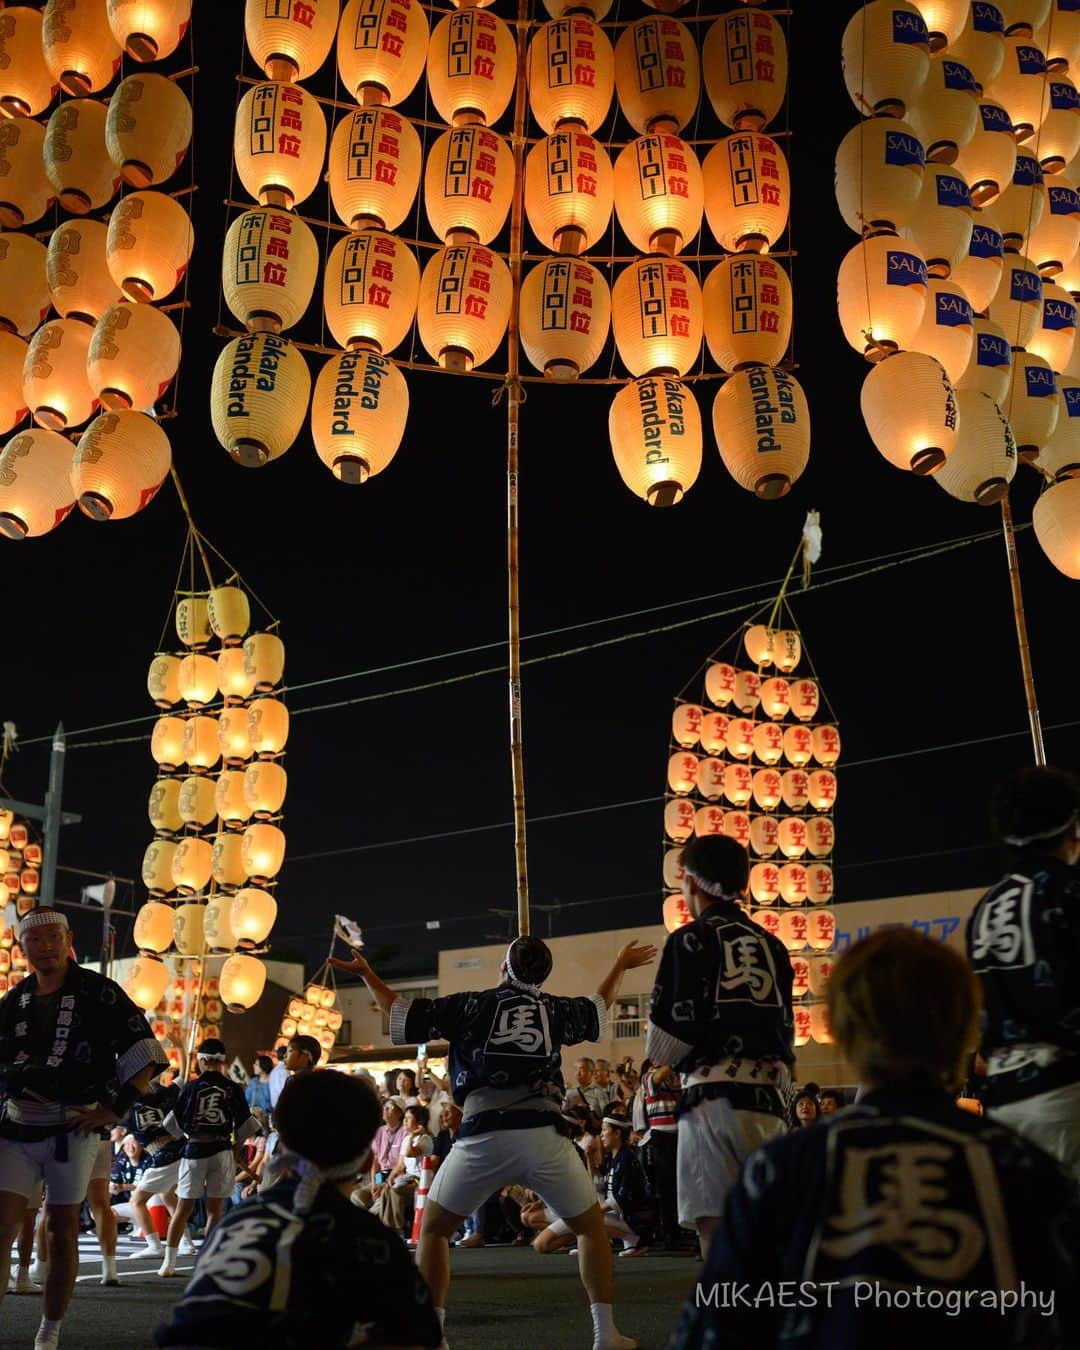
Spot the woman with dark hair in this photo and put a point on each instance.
(805, 1109)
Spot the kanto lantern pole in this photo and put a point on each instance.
(513, 412)
(1034, 720)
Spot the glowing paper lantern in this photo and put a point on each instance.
(265, 783)
(768, 737)
(167, 743)
(358, 414)
(1018, 86)
(798, 745)
(826, 740)
(747, 690)
(880, 165)
(764, 834)
(55, 387)
(748, 309)
(657, 315)
(822, 789)
(821, 930)
(197, 681)
(26, 192)
(571, 73)
(820, 970)
(464, 305)
(682, 773)
(134, 354)
(35, 488)
(720, 683)
(263, 851)
(228, 612)
(679, 819)
(259, 397)
(686, 724)
(264, 660)
(738, 784)
(747, 192)
(469, 183)
(191, 865)
(804, 699)
(1057, 525)
(988, 161)
(27, 86)
(673, 869)
(820, 836)
(252, 916)
(657, 75)
(24, 290)
(768, 789)
(148, 128)
(370, 289)
(163, 680)
(568, 190)
(745, 64)
(941, 223)
(775, 697)
(659, 194)
(794, 927)
(1017, 306)
(1055, 336)
(565, 317)
(268, 269)
(1056, 239)
(279, 143)
(1060, 455)
(227, 863)
(983, 462)
(201, 749)
(234, 741)
(1059, 37)
(793, 877)
(991, 361)
(947, 331)
(758, 641)
(714, 729)
(762, 426)
(153, 930)
(820, 886)
(792, 838)
(981, 45)
(675, 913)
(945, 20)
(765, 888)
(149, 30)
(78, 276)
(886, 56)
(881, 294)
(233, 681)
(148, 245)
(1031, 404)
(740, 738)
(655, 430)
(146, 981)
(291, 42)
(76, 161)
(243, 979)
(229, 800)
(268, 726)
(381, 50)
(909, 407)
(787, 650)
(121, 461)
(979, 273)
(796, 789)
(1019, 208)
(164, 805)
(193, 621)
(374, 167)
(946, 112)
(471, 66)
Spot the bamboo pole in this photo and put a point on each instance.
(513, 409)
(1034, 721)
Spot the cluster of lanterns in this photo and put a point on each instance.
(312, 1015)
(107, 354)
(461, 299)
(216, 806)
(754, 760)
(20, 871)
(962, 292)
(192, 998)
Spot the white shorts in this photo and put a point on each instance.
(24, 1166)
(103, 1162)
(715, 1140)
(216, 1175)
(159, 1180)
(540, 1158)
(1049, 1119)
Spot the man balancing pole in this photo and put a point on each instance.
(505, 1073)
(75, 1053)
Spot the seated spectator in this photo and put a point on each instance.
(805, 1109)
(406, 1086)
(298, 1266)
(449, 1123)
(830, 1101)
(584, 1091)
(385, 1152)
(899, 1197)
(126, 1169)
(394, 1203)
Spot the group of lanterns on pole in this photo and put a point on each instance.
(20, 875)
(754, 758)
(461, 299)
(108, 353)
(216, 805)
(962, 292)
(314, 1014)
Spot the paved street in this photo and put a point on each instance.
(499, 1298)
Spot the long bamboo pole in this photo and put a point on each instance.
(513, 412)
(1034, 721)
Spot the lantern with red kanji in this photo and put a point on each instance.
(795, 789)
(679, 819)
(768, 919)
(571, 73)
(471, 64)
(381, 50)
(676, 913)
(709, 778)
(673, 868)
(569, 190)
(819, 884)
(565, 317)
(745, 65)
(659, 194)
(800, 972)
(686, 724)
(657, 314)
(279, 143)
(798, 745)
(820, 836)
(794, 927)
(709, 820)
(748, 308)
(737, 827)
(764, 835)
(714, 729)
(821, 929)
(768, 788)
(720, 683)
(468, 185)
(268, 269)
(682, 771)
(768, 739)
(792, 837)
(747, 192)
(370, 288)
(821, 789)
(775, 697)
(464, 305)
(374, 168)
(657, 74)
(738, 783)
(740, 738)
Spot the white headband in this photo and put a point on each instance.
(40, 918)
(713, 888)
(312, 1176)
(617, 1123)
(511, 978)
(1022, 841)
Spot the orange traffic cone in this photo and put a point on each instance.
(427, 1169)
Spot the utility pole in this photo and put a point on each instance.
(50, 815)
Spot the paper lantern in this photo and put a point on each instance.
(821, 787)
(259, 397)
(747, 690)
(147, 979)
(792, 838)
(764, 834)
(768, 737)
(35, 487)
(29, 881)
(942, 220)
(820, 836)
(1056, 239)
(991, 361)
(886, 56)
(55, 387)
(804, 699)
(946, 113)
(793, 879)
(164, 806)
(826, 741)
(149, 30)
(1019, 84)
(681, 773)
(657, 314)
(157, 866)
(374, 167)
(279, 143)
(370, 289)
(881, 294)
(227, 862)
(471, 67)
(243, 979)
(24, 290)
(268, 726)
(820, 887)
(655, 430)
(979, 273)
(737, 827)
(264, 660)
(1031, 404)
(714, 729)
(787, 650)
(657, 75)
(794, 924)
(229, 800)
(26, 192)
(1059, 37)
(947, 332)
(264, 788)
(148, 128)
(798, 745)
(880, 165)
(679, 819)
(1020, 206)
(27, 86)
(945, 20)
(1060, 455)
(795, 789)
(981, 44)
(686, 724)
(988, 161)
(464, 305)
(358, 414)
(78, 277)
(820, 970)
(268, 269)
(1055, 336)
(234, 741)
(1017, 306)
(720, 683)
(569, 190)
(167, 743)
(153, 930)
(762, 426)
(289, 1027)
(468, 184)
(709, 778)
(909, 407)
(821, 930)
(201, 749)
(775, 697)
(675, 913)
(193, 621)
(740, 738)
(747, 192)
(121, 461)
(983, 461)
(571, 73)
(768, 789)
(673, 868)
(290, 42)
(163, 680)
(252, 916)
(745, 65)
(233, 680)
(1057, 525)
(76, 161)
(149, 244)
(381, 49)
(197, 680)
(738, 784)
(191, 866)
(708, 820)
(758, 641)
(659, 194)
(80, 51)
(134, 355)
(263, 851)
(228, 612)
(565, 317)
(213, 1007)
(800, 972)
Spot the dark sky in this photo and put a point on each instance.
(412, 565)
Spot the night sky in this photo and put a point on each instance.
(412, 566)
